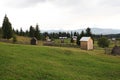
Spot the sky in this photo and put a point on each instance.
(61, 14)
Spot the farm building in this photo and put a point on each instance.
(86, 43)
(62, 39)
(33, 41)
(74, 38)
(48, 39)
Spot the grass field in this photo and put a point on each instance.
(26, 62)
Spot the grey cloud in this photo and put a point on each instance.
(114, 3)
(67, 2)
(91, 7)
(23, 3)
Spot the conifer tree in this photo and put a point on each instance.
(88, 32)
(31, 32)
(7, 28)
(79, 37)
(0, 32)
(37, 32)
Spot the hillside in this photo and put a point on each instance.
(25, 62)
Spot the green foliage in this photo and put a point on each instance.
(7, 28)
(88, 32)
(37, 32)
(14, 39)
(31, 32)
(34, 32)
(79, 37)
(22, 32)
(25, 62)
(0, 32)
(103, 42)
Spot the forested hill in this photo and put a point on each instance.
(94, 31)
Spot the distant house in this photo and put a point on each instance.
(74, 38)
(113, 39)
(33, 41)
(86, 43)
(62, 39)
(48, 39)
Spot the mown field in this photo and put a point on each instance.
(26, 62)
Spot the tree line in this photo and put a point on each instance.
(7, 32)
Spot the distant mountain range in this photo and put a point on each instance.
(94, 31)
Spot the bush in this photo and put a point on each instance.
(14, 39)
(103, 42)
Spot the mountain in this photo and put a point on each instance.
(103, 31)
(94, 31)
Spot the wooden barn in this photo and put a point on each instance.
(86, 43)
(33, 41)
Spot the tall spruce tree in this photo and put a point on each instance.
(88, 32)
(79, 37)
(21, 32)
(7, 28)
(0, 32)
(37, 32)
(32, 32)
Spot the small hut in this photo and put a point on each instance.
(62, 39)
(48, 39)
(116, 50)
(86, 43)
(33, 41)
(74, 38)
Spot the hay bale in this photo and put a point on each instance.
(116, 50)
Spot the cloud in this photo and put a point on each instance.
(77, 7)
(113, 3)
(90, 7)
(65, 3)
(23, 3)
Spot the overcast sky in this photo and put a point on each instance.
(61, 14)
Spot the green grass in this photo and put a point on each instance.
(25, 62)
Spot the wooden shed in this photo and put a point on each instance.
(33, 41)
(86, 43)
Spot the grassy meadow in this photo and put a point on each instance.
(26, 62)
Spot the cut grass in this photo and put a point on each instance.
(25, 62)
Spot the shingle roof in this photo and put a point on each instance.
(84, 38)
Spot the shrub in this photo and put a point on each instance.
(103, 42)
(14, 39)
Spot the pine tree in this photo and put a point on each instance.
(31, 32)
(21, 32)
(7, 28)
(71, 35)
(82, 34)
(37, 32)
(27, 33)
(88, 32)
(75, 33)
(0, 32)
(17, 32)
(79, 37)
